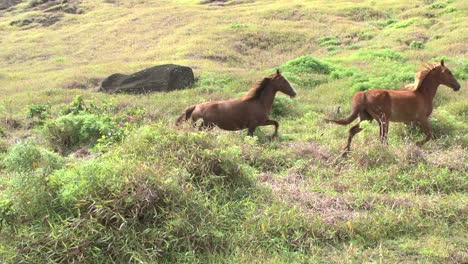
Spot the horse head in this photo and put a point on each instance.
(446, 77)
(282, 84)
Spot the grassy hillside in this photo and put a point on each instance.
(97, 178)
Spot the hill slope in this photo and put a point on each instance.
(90, 177)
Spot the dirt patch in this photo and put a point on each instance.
(364, 14)
(226, 2)
(5, 4)
(64, 6)
(92, 83)
(311, 150)
(44, 20)
(52, 12)
(292, 190)
(454, 158)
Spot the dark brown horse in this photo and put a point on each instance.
(249, 111)
(414, 103)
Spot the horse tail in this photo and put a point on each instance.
(359, 102)
(185, 115)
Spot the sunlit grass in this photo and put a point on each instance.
(132, 187)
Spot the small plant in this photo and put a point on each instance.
(69, 131)
(283, 106)
(237, 26)
(38, 110)
(405, 23)
(416, 44)
(59, 59)
(26, 156)
(365, 36)
(381, 54)
(438, 6)
(450, 10)
(76, 106)
(328, 41)
(384, 23)
(364, 13)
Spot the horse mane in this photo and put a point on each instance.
(257, 89)
(421, 75)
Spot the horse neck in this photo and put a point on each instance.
(268, 96)
(429, 87)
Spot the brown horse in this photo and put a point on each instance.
(414, 103)
(249, 111)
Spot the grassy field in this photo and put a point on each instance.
(87, 177)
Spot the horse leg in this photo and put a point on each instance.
(272, 122)
(383, 124)
(206, 125)
(352, 131)
(427, 130)
(251, 130)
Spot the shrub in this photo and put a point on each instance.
(38, 110)
(416, 44)
(328, 41)
(384, 23)
(364, 13)
(30, 166)
(437, 6)
(69, 131)
(389, 78)
(307, 64)
(381, 54)
(26, 156)
(283, 106)
(365, 36)
(405, 23)
(76, 106)
(450, 10)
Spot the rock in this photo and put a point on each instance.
(162, 78)
(4, 4)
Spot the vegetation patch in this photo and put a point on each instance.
(364, 13)
(108, 178)
(44, 20)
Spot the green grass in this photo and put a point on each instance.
(98, 178)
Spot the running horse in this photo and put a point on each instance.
(249, 111)
(412, 104)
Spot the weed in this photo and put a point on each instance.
(416, 44)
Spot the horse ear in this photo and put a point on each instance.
(278, 72)
(442, 62)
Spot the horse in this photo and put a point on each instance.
(412, 104)
(250, 111)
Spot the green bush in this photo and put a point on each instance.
(70, 131)
(364, 13)
(386, 79)
(380, 54)
(365, 36)
(307, 64)
(416, 44)
(438, 6)
(405, 23)
(38, 110)
(384, 23)
(450, 10)
(26, 156)
(76, 106)
(28, 188)
(328, 41)
(283, 106)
